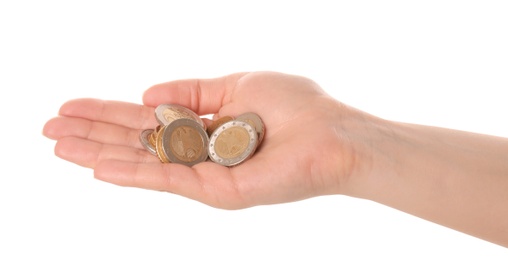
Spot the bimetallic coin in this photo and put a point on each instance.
(217, 123)
(184, 141)
(159, 146)
(254, 120)
(232, 143)
(167, 113)
(145, 141)
(152, 138)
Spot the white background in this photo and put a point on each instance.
(442, 63)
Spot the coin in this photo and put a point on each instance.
(159, 147)
(232, 143)
(153, 136)
(216, 123)
(167, 113)
(184, 141)
(254, 120)
(144, 137)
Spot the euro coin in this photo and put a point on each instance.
(255, 121)
(217, 123)
(167, 113)
(232, 143)
(144, 138)
(153, 136)
(184, 141)
(159, 147)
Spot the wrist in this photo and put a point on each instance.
(369, 142)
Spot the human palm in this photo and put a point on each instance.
(302, 155)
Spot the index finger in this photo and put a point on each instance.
(203, 96)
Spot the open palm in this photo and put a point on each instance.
(303, 153)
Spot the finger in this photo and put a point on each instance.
(206, 182)
(60, 127)
(88, 153)
(115, 112)
(203, 96)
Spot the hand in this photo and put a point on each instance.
(303, 153)
(313, 145)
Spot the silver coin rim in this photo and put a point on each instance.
(143, 138)
(167, 133)
(253, 140)
(161, 120)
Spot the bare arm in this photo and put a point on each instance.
(453, 178)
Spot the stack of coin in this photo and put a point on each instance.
(182, 137)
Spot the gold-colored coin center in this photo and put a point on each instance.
(186, 143)
(232, 142)
(172, 114)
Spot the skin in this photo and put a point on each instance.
(314, 145)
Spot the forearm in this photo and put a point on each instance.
(453, 178)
